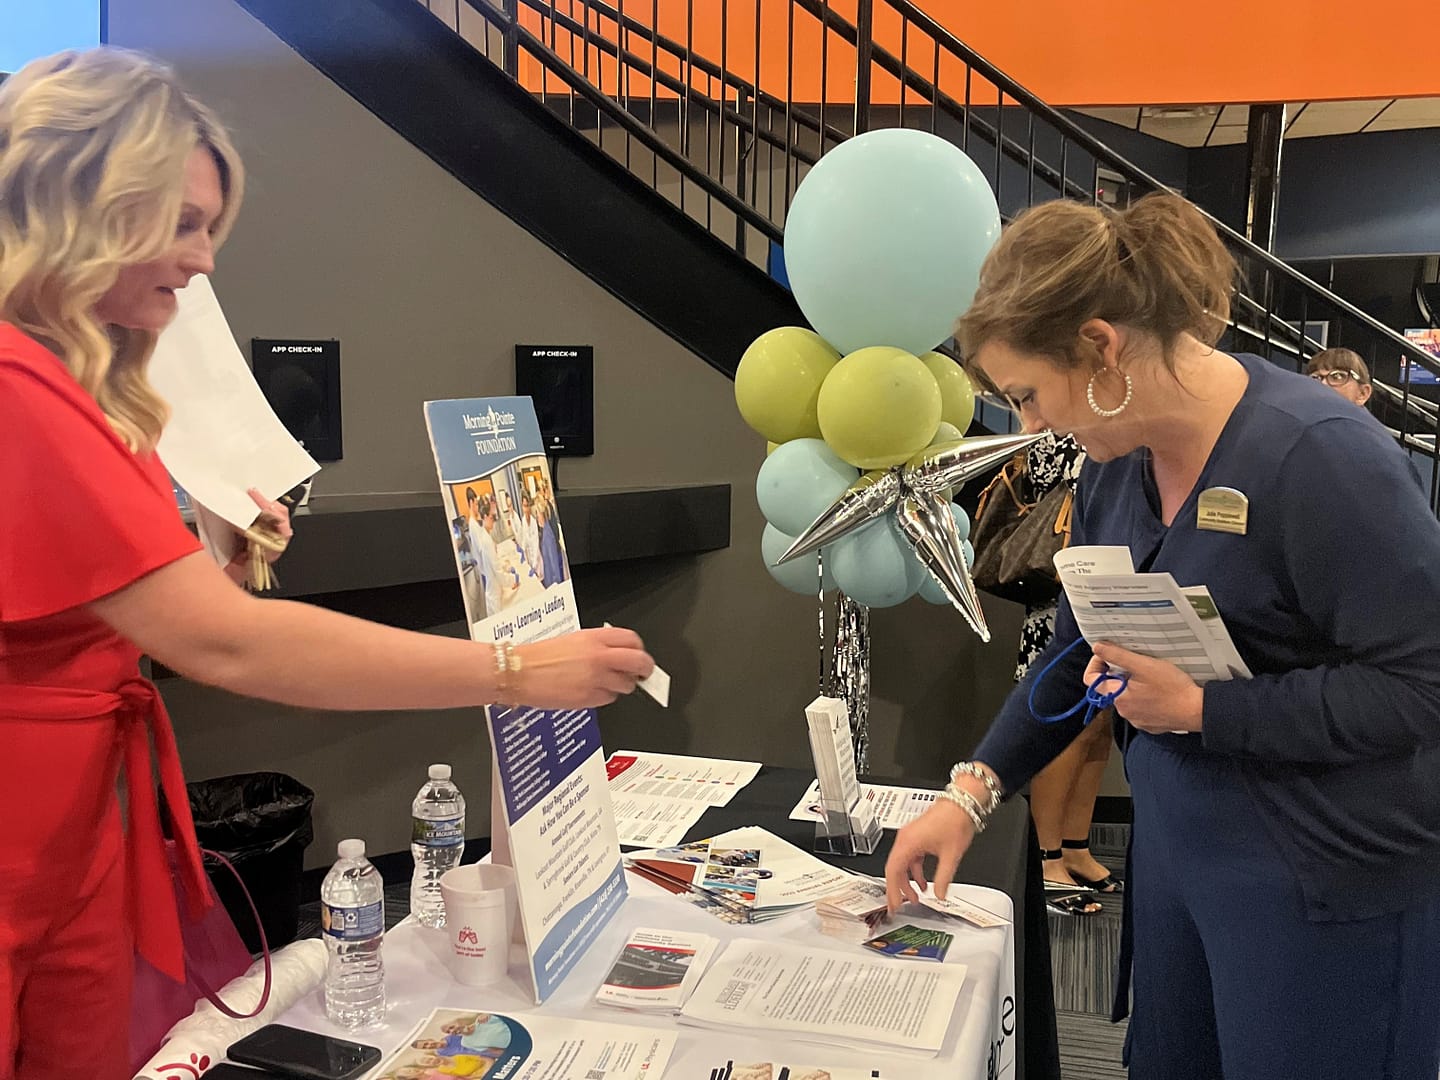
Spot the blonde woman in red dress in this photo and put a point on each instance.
(115, 190)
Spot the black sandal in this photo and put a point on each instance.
(1110, 885)
(1066, 899)
(1086, 907)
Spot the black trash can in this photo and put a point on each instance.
(261, 823)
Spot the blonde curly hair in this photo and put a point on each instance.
(93, 147)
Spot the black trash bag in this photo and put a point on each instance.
(261, 823)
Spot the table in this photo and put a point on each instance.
(1003, 859)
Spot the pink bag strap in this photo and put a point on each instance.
(210, 995)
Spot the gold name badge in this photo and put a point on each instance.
(1223, 509)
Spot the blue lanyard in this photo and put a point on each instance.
(1092, 702)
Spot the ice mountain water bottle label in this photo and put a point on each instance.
(439, 832)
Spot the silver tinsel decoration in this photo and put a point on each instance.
(845, 665)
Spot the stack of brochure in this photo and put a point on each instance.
(656, 971)
(747, 875)
(853, 913)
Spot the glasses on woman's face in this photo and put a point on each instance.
(1338, 377)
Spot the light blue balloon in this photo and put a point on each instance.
(799, 481)
(800, 575)
(885, 237)
(962, 524)
(876, 565)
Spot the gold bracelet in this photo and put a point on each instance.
(969, 768)
(508, 664)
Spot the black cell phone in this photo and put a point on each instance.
(226, 1071)
(305, 1055)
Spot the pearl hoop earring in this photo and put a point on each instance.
(1090, 394)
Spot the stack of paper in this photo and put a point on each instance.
(657, 971)
(853, 913)
(957, 908)
(839, 998)
(846, 817)
(744, 876)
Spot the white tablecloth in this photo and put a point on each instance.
(417, 981)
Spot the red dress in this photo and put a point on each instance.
(81, 517)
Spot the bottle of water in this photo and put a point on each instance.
(437, 840)
(352, 915)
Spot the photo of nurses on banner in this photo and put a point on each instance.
(507, 536)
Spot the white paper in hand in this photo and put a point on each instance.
(657, 685)
(222, 438)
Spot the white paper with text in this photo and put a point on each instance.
(828, 996)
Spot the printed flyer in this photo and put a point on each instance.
(552, 817)
(477, 1045)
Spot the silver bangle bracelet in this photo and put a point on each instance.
(967, 802)
(969, 768)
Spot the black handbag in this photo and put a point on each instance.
(1017, 535)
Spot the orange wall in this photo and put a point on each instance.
(1167, 53)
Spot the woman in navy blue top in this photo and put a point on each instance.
(1283, 894)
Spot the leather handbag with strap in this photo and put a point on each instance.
(214, 955)
(1016, 536)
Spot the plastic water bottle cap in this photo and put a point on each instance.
(439, 772)
(351, 849)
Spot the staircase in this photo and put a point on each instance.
(680, 114)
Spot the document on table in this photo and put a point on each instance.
(658, 797)
(712, 781)
(654, 820)
(894, 806)
(1147, 613)
(472, 1042)
(222, 437)
(831, 996)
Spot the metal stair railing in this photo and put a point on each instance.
(731, 152)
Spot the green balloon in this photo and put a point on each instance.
(779, 380)
(946, 432)
(879, 407)
(957, 394)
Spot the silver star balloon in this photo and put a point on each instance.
(929, 524)
(918, 493)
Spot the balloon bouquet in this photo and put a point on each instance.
(883, 246)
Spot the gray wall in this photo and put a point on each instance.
(350, 232)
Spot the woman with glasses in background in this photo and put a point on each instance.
(1344, 372)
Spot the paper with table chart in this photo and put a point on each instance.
(659, 797)
(1147, 613)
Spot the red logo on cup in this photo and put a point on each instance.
(469, 937)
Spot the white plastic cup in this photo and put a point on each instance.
(480, 918)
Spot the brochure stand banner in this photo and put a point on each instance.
(552, 818)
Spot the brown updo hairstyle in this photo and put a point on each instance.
(1157, 267)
